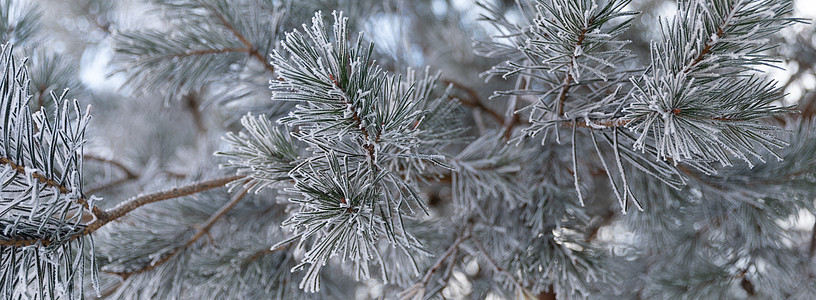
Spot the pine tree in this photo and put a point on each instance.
(549, 149)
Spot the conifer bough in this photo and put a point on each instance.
(356, 172)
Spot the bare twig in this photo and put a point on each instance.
(129, 174)
(106, 216)
(439, 262)
(259, 254)
(134, 203)
(202, 230)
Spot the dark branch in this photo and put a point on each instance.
(562, 95)
(202, 230)
(250, 49)
(711, 41)
(21, 170)
(106, 216)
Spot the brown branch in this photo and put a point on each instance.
(134, 203)
(202, 230)
(562, 95)
(548, 295)
(250, 49)
(711, 41)
(20, 169)
(259, 254)
(266, 251)
(449, 270)
(474, 100)
(106, 216)
(370, 141)
(174, 174)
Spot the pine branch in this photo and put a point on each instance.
(367, 145)
(565, 86)
(713, 40)
(250, 49)
(21, 170)
(139, 201)
(622, 122)
(107, 216)
(709, 49)
(369, 140)
(202, 230)
(595, 124)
